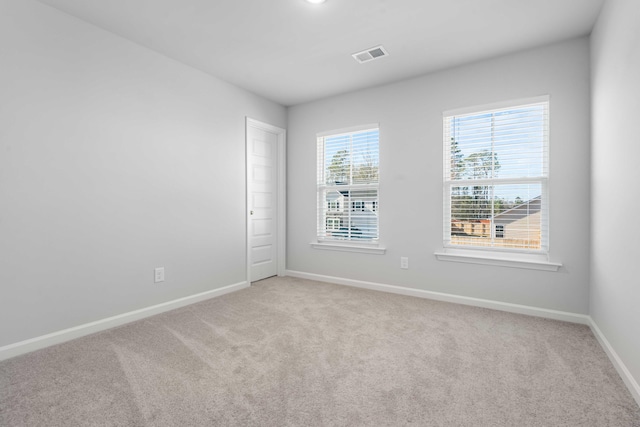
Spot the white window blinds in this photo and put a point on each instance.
(495, 177)
(347, 192)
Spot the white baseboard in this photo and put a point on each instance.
(439, 296)
(58, 337)
(626, 376)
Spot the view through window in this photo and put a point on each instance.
(348, 186)
(495, 177)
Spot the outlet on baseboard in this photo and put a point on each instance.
(404, 263)
(159, 274)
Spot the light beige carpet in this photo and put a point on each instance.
(290, 352)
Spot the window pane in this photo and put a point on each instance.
(504, 216)
(351, 158)
(354, 217)
(500, 144)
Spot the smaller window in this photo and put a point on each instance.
(347, 186)
(358, 206)
(499, 231)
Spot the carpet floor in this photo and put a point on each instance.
(292, 352)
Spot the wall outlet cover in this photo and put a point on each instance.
(159, 274)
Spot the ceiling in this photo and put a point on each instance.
(293, 52)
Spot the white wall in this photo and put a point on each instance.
(113, 160)
(615, 287)
(410, 117)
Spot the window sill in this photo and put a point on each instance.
(348, 248)
(513, 260)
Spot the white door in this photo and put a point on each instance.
(262, 199)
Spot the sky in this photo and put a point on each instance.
(516, 136)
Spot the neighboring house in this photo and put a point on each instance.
(519, 222)
(522, 222)
(357, 212)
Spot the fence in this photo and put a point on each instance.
(496, 243)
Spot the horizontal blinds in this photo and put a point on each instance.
(348, 186)
(495, 175)
(505, 143)
(348, 159)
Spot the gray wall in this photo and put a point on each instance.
(410, 117)
(615, 289)
(113, 160)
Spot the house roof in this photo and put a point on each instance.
(526, 208)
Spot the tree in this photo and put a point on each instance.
(339, 169)
(459, 195)
(367, 171)
(481, 165)
(457, 160)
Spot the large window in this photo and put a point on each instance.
(348, 185)
(495, 177)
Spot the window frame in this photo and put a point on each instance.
(371, 246)
(510, 257)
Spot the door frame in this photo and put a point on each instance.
(281, 188)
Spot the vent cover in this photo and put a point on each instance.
(370, 54)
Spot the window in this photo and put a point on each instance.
(348, 177)
(334, 205)
(495, 178)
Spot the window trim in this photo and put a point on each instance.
(483, 108)
(364, 248)
(368, 246)
(537, 259)
(483, 256)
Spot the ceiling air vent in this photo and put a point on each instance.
(370, 54)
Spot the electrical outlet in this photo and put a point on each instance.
(159, 274)
(404, 263)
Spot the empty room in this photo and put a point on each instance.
(319, 213)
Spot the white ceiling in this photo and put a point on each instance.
(292, 52)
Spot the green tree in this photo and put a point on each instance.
(460, 199)
(481, 165)
(339, 169)
(457, 167)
